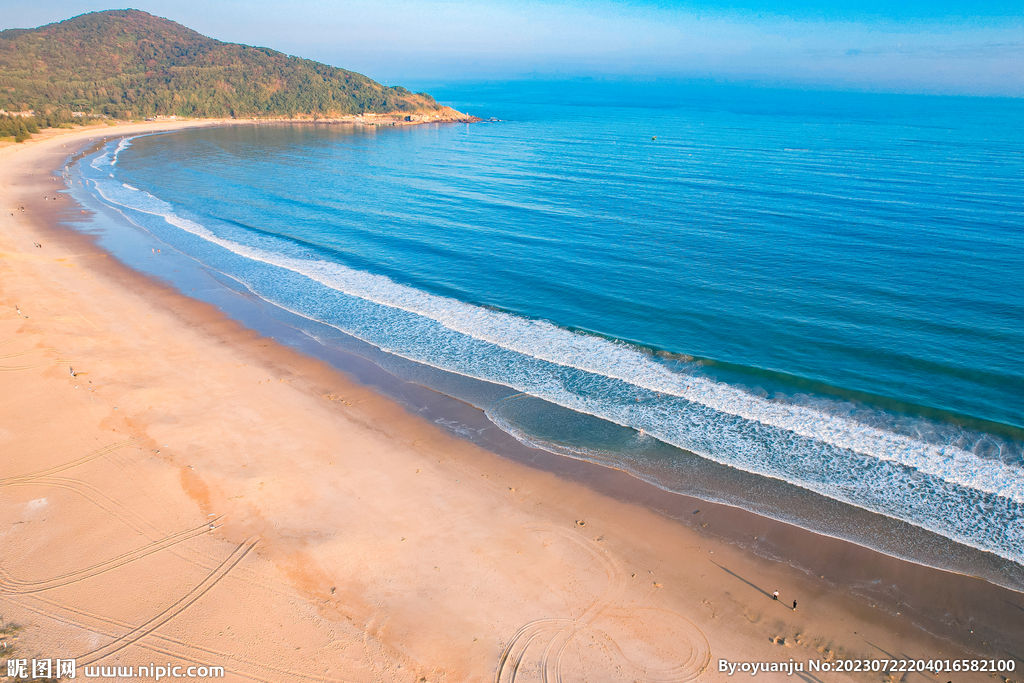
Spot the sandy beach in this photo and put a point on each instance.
(177, 489)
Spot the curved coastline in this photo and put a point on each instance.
(719, 483)
(920, 541)
(850, 568)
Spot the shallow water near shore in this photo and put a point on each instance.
(803, 309)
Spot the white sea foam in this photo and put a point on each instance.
(713, 419)
(545, 341)
(108, 160)
(121, 146)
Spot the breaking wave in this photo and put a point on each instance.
(941, 487)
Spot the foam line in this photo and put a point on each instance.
(943, 488)
(545, 341)
(121, 146)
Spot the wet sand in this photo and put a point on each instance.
(196, 492)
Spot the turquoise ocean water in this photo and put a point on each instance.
(816, 291)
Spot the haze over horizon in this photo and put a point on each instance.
(944, 47)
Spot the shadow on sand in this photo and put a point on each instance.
(731, 572)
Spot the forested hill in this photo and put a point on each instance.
(130, 64)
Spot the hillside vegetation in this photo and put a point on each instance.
(21, 128)
(130, 64)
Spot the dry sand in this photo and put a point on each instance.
(198, 494)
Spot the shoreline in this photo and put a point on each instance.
(425, 391)
(713, 483)
(963, 597)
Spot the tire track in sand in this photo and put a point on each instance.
(512, 657)
(180, 605)
(177, 654)
(110, 448)
(101, 500)
(24, 353)
(554, 635)
(17, 368)
(10, 585)
(95, 496)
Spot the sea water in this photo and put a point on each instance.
(820, 292)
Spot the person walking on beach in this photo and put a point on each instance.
(775, 595)
(794, 605)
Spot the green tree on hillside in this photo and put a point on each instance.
(130, 64)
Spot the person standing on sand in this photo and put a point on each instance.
(794, 605)
(775, 595)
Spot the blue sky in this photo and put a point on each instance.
(938, 46)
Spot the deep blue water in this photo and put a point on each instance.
(818, 288)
